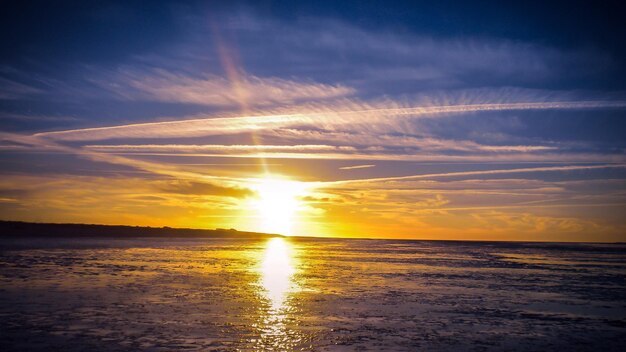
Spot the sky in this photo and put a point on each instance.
(419, 120)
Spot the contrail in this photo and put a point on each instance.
(474, 173)
(207, 126)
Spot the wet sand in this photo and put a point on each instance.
(310, 294)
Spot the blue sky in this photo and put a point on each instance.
(410, 114)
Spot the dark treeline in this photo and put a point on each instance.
(18, 229)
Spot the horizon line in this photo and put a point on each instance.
(290, 236)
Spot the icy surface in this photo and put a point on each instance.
(310, 294)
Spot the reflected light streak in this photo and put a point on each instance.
(277, 281)
(277, 271)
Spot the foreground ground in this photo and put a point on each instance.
(313, 294)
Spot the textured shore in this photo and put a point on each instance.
(312, 294)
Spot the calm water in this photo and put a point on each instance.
(187, 294)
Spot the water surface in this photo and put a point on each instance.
(309, 294)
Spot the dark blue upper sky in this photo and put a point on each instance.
(110, 30)
(54, 50)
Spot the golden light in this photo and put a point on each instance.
(277, 203)
(277, 271)
(278, 281)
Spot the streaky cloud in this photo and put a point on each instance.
(213, 90)
(366, 166)
(207, 148)
(327, 117)
(479, 173)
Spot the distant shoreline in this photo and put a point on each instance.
(21, 229)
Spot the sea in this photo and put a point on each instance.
(311, 294)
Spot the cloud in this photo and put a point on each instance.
(216, 148)
(328, 117)
(206, 89)
(48, 146)
(528, 222)
(201, 188)
(481, 173)
(449, 151)
(366, 166)
(372, 131)
(424, 144)
(167, 129)
(35, 118)
(12, 90)
(108, 200)
(386, 60)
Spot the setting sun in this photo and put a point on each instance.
(277, 203)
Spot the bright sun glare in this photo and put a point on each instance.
(278, 203)
(277, 271)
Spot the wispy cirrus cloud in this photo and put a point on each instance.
(372, 59)
(326, 117)
(483, 173)
(425, 144)
(214, 90)
(13, 90)
(441, 151)
(365, 166)
(368, 131)
(216, 148)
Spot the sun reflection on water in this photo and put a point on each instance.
(277, 280)
(277, 271)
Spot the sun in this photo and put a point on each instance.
(277, 203)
